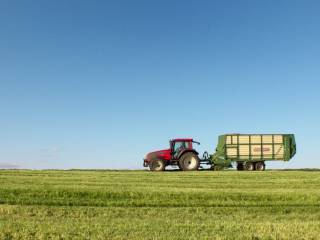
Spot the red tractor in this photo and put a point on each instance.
(180, 153)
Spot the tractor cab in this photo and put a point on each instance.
(180, 153)
(179, 145)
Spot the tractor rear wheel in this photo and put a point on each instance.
(249, 166)
(260, 166)
(157, 165)
(189, 162)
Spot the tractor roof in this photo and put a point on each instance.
(182, 139)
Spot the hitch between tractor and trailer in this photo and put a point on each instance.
(206, 159)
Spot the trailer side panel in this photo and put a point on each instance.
(255, 147)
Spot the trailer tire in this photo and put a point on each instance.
(157, 165)
(249, 166)
(260, 166)
(189, 162)
(240, 166)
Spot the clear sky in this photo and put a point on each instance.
(97, 84)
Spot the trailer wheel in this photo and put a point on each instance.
(157, 165)
(189, 162)
(260, 166)
(249, 166)
(240, 166)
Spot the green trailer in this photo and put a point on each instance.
(250, 151)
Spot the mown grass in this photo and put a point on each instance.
(169, 205)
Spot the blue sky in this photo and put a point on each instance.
(97, 84)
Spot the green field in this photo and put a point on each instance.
(168, 205)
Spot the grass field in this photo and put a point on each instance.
(169, 205)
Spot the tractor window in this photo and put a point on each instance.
(179, 145)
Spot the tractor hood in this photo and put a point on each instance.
(158, 154)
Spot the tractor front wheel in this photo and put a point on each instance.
(157, 165)
(189, 162)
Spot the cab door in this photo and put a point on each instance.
(179, 146)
